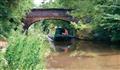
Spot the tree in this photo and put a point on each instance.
(11, 13)
(109, 27)
(81, 7)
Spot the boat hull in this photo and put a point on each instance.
(61, 38)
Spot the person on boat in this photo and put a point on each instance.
(65, 32)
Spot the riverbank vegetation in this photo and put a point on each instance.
(26, 51)
(11, 13)
(23, 52)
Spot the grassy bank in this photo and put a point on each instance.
(26, 52)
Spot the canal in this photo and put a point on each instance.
(84, 55)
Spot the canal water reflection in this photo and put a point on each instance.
(85, 46)
(85, 55)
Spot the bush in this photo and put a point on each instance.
(84, 31)
(107, 32)
(26, 52)
(11, 14)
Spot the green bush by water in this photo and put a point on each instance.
(26, 52)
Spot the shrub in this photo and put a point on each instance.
(26, 52)
(11, 14)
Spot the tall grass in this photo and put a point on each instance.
(26, 52)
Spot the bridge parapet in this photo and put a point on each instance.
(53, 13)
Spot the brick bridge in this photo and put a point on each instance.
(52, 13)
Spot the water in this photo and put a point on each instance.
(86, 46)
(84, 55)
(60, 46)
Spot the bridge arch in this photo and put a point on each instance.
(43, 14)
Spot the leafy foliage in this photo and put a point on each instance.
(109, 27)
(81, 7)
(26, 52)
(11, 13)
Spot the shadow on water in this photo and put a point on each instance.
(99, 48)
(86, 46)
